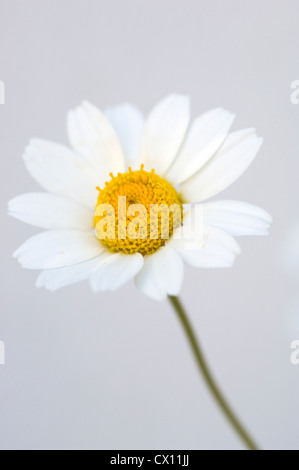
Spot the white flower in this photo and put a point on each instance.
(191, 163)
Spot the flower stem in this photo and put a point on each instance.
(203, 367)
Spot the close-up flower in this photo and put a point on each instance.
(162, 160)
(131, 188)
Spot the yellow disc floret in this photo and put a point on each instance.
(137, 212)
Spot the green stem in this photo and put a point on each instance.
(203, 367)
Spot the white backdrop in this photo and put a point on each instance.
(114, 371)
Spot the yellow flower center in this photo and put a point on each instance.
(137, 212)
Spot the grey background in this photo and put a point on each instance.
(114, 370)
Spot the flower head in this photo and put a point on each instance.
(127, 201)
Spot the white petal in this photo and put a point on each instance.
(203, 140)
(54, 279)
(164, 133)
(232, 159)
(128, 123)
(93, 137)
(115, 270)
(50, 211)
(59, 170)
(214, 248)
(237, 218)
(161, 274)
(58, 248)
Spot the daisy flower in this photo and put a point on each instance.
(103, 209)
(161, 160)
